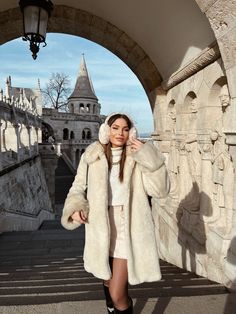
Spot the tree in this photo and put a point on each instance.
(57, 91)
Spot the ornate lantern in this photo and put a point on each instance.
(35, 19)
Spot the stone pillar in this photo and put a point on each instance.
(17, 126)
(29, 139)
(73, 156)
(231, 140)
(37, 136)
(49, 160)
(207, 213)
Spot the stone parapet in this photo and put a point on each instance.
(24, 195)
(10, 221)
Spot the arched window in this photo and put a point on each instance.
(94, 109)
(88, 134)
(190, 102)
(88, 108)
(72, 108)
(72, 135)
(81, 107)
(47, 131)
(65, 134)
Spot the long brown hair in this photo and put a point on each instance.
(107, 147)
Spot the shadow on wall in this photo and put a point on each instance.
(230, 305)
(191, 226)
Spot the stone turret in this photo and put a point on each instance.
(83, 99)
(8, 88)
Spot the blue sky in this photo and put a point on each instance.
(116, 86)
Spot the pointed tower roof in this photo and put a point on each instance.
(83, 87)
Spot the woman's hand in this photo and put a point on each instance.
(135, 144)
(79, 216)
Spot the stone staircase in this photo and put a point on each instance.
(46, 266)
(64, 178)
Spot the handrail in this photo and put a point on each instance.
(68, 162)
(17, 165)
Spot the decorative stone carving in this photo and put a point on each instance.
(223, 173)
(206, 57)
(190, 159)
(191, 144)
(173, 161)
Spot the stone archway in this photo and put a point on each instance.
(221, 15)
(81, 23)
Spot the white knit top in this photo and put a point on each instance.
(116, 188)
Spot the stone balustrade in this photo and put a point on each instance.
(20, 130)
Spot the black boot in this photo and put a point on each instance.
(109, 303)
(129, 310)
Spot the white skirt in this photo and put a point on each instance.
(117, 225)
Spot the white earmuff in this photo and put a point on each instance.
(104, 130)
(133, 133)
(104, 133)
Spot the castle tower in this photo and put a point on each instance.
(8, 88)
(83, 99)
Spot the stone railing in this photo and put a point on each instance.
(19, 131)
(21, 103)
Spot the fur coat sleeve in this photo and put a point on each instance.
(155, 177)
(76, 198)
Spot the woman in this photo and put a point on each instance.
(118, 172)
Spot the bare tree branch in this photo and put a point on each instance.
(57, 91)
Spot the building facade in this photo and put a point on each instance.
(76, 129)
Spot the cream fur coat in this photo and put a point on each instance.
(144, 174)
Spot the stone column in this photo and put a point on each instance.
(29, 139)
(17, 126)
(207, 213)
(37, 136)
(49, 160)
(231, 140)
(73, 156)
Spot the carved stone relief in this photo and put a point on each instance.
(173, 160)
(199, 209)
(223, 173)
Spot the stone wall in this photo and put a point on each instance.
(198, 217)
(74, 132)
(24, 198)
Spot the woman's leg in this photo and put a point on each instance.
(118, 285)
(109, 302)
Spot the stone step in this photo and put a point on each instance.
(40, 251)
(62, 168)
(97, 294)
(54, 224)
(94, 286)
(26, 245)
(63, 181)
(12, 281)
(46, 266)
(36, 260)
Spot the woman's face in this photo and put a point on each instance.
(119, 133)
